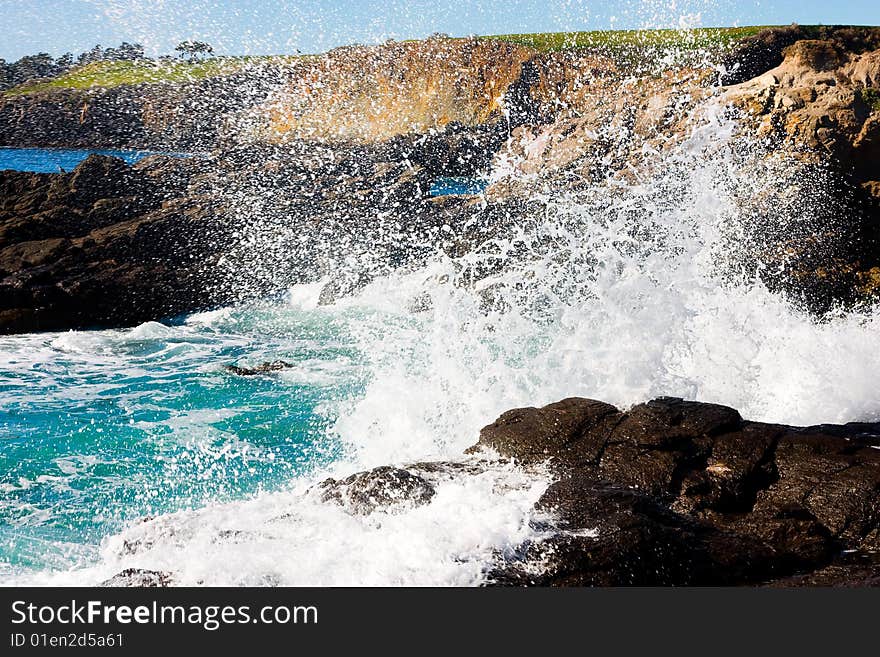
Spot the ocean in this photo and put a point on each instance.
(137, 448)
(59, 160)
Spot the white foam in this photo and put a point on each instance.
(294, 539)
(598, 301)
(306, 296)
(594, 310)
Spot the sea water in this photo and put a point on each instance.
(136, 448)
(59, 160)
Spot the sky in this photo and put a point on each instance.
(238, 27)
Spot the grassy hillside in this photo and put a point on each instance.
(113, 74)
(107, 75)
(695, 38)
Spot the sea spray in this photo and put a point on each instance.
(626, 290)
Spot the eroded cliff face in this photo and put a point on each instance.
(822, 99)
(806, 133)
(377, 93)
(373, 93)
(822, 105)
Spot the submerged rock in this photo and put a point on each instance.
(262, 368)
(382, 488)
(136, 577)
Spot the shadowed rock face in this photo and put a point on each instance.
(185, 116)
(609, 535)
(676, 492)
(113, 245)
(757, 54)
(107, 244)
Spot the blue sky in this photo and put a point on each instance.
(284, 26)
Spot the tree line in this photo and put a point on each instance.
(43, 65)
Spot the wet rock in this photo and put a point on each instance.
(852, 570)
(607, 535)
(262, 368)
(382, 488)
(569, 431)
(669, 492)
(101, 177)
(100, 246)
(137, 577)
(342, 285)
(676, 482)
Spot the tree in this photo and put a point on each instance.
(41, 65)
(194, 49)
(125, 52)
(65, 62)
(96, 54)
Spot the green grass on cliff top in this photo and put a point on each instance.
(106, 75)
(695, 38)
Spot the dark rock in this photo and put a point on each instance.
(853, 570)
(262, 368)
(170, 235)
(136, 577)
(612, 536)
(100, 247)
(571, 431)
(692, 483)
(100, 176)
(342, 285)
(381, 488)
(457, 150)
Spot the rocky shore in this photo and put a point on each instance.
(669, 492)
(675, 492)
(104, 245)
(291, 185)
(326, 174)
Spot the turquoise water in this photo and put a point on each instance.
(55, 160)
(449, 186)
(101, 428)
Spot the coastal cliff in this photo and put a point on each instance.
(351, 126)
(326, 142)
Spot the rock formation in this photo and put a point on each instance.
(669, 492)
(676, 492)
(337, 153)
(105, 245)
